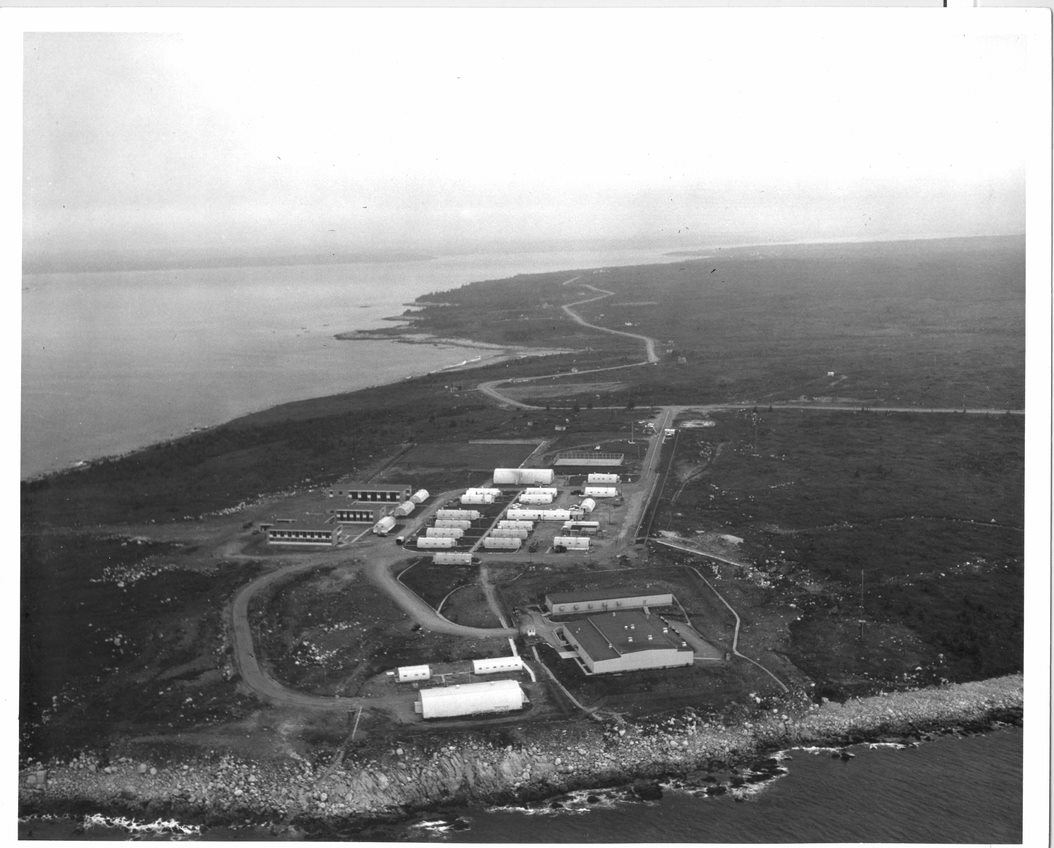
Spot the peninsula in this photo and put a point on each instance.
(796, 471)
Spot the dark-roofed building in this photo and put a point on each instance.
(349, 487)
(358, 512)
(630, 640)
(604, 600)
(579, 460)
(307, 530)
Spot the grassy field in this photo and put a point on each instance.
(919, 516)
(930, 322)
(329, 632)
(116, 634)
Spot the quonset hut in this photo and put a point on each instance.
(523, 476)
(492, 696)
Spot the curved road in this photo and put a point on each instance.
(382, 558)
(383, 555)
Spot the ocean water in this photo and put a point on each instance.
(951, 790)
(112, 361)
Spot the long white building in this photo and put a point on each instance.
(492, 696)
(523, 476)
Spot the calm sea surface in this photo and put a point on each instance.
(949, 790)
(113, 361)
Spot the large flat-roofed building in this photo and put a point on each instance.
(586, 460)
(603, 600)
(358, 512)
(494, 696)
(629, 640)
(303, 531)
(348, 487)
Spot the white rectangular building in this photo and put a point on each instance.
(509, 533)
(602, 478)
(481, 499)
(507, 524)
(452, 558)
(571, 543)
(459, 514)
(444, 532)
(495, 665)
(492, 696)
(600, 492)
(408, 673)
(534, 498)
(523, 476)
(433, 542)
(498, 543)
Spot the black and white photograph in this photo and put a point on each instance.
(531, 425)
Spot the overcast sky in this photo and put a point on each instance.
(456, 129)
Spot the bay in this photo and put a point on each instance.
(113, 361)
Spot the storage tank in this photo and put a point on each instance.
(588, 505)
(477, 499)
(492, 696)
(516, 525)
(459, 514)
(600, 492)
(384, 526)
(494, 665)
(602, 478)
(460, 524)
(523, 476)
(535, 498)
(426, 542)
(408, 673)
(444, 532)
(509, 533)
(452, 558)
(420, 496)
(571, 543)
(499, 543)
(405, 508)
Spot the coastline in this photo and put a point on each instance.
(376, 786)
(500, 353)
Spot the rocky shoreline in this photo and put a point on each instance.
(398, 779)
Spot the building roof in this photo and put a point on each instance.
(301, 521)
(599, 595)
(350, 481)
(462, 690)
(613, 634)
